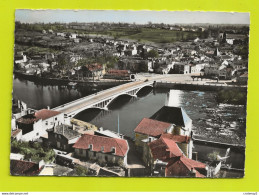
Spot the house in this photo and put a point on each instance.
(149, 128)
(19, 109)
(34, 125)
(243, 79)
(157, 153)
(181, 166)
(26, 168)
(181, 68)
(198, 68)
(51, 31)
(61, 34)
(73, 36)
(232, 38)
(20, 59)
(62, 137)
(93, 70)
(102, 149)
(177, 116)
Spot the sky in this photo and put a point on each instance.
(139, 17)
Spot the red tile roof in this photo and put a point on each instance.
(20, 167)
(41, 114)
(164, 149)
(182, 166)
(152, 127)
(94, 67)
(97, 142)
(45, 114)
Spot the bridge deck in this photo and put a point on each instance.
(95, 98)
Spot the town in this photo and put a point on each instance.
(114, 59)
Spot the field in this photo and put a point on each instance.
(148, 35)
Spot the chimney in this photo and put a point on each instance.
(48, 107)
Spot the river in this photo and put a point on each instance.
(211, 121)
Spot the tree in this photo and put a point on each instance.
(80, 170)
(152, 53)
(143, 67)
(213, 156)
(63, 62)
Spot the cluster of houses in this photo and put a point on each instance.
(72, 143)
(163, 142)
(211, 57)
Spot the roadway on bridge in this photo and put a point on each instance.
(69, 108)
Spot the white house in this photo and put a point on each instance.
(35, 125)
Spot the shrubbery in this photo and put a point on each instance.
(232, 97)
(33, 151)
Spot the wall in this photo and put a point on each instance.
(138, 143)
(100, 157)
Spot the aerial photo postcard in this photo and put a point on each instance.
(129, 93)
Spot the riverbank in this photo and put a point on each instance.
(59, 81)
(198, 86)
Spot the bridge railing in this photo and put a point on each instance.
(208, 84)
(103, 91)
(123, 91)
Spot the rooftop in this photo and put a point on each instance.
(152, 127)
(182, 166)
(173, 115)
(41, 114)
(100, 142)
(164, 148)
(65, 130)
(20, 167)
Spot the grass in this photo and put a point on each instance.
(148, 35)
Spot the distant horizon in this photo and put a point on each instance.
(137, 17)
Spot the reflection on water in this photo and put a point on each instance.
(40, 96)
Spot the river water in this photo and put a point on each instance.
(223, 123)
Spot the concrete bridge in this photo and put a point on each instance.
(102, 99)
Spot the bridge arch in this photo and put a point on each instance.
(145, 87)
(118, 98)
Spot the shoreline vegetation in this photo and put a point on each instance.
(233, 96)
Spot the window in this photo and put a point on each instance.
(65, 147)
(37, 134)
(102, 149)
(106, 158)
(80, 151)
(58, 144)
(90, 147)
(59, 136)
(46, 123)
(56, 118)
(94, 154)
